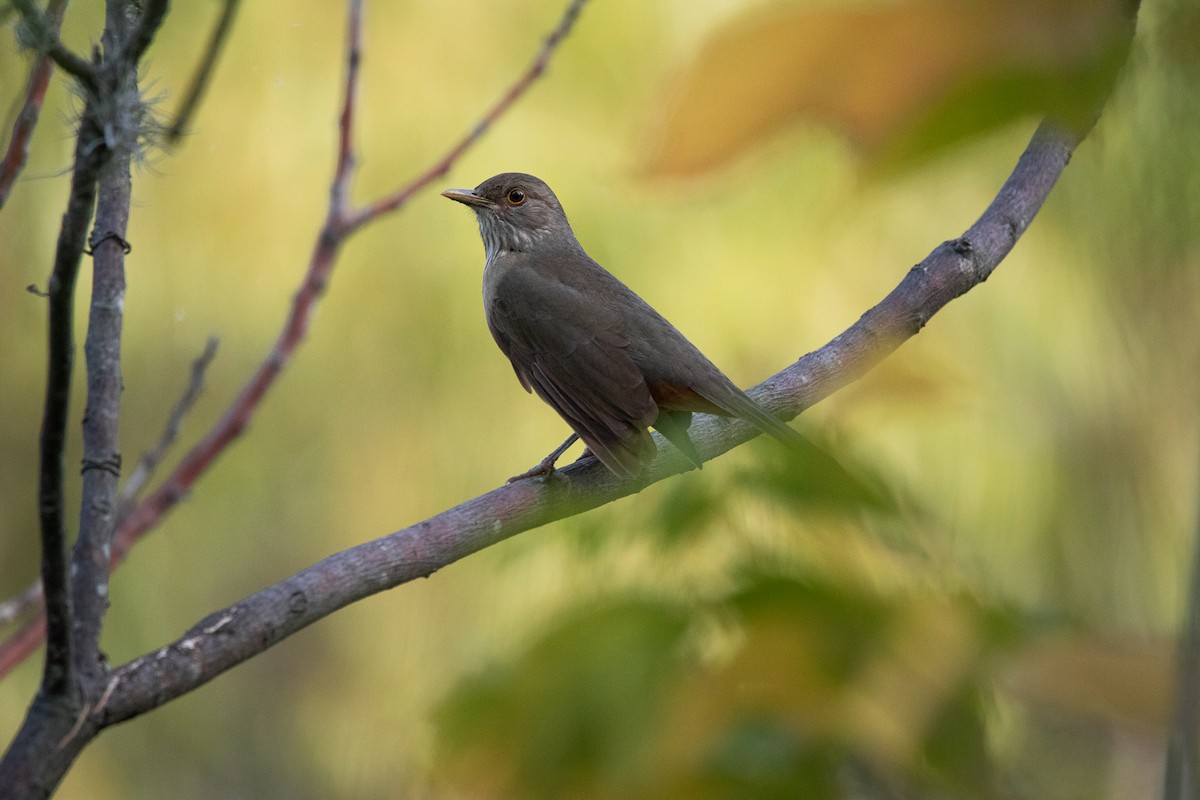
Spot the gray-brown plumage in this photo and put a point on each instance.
(607, 362)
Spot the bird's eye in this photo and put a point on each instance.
(515, 197)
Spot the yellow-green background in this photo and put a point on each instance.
(1045, 425)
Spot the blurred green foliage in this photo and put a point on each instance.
(988, 615)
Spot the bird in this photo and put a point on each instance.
(585, 343)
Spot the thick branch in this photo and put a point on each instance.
(231, 636)
(61, 359)
(101, 458)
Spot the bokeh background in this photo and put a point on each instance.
(1005, 623)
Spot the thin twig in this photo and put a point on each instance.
(150, 460)
(149, 21)
(27, 118)
(18, 605)
(343, 172)
(45, 28)
(204, 72)
(514, 92)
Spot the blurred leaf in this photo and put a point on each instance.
(819, 689)
(576, 715)
(829, 676)
(901, 80)
(759, 757)
(686, 508)
(810, 477)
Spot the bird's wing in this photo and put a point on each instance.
(562, 349)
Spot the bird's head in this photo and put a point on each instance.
(516, 213)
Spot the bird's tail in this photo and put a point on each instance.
(740, 404)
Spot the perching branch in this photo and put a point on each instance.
(226, 638)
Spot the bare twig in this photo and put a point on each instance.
(16, 606)
(150, 460)
(204, 71)
(148, 22)
(239, 632)
(514, 92)
(45, 28)
(27, 117)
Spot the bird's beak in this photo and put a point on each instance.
(467, 197)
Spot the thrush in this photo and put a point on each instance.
(585, 343)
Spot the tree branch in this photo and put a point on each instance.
(44, 28)
(57, 677)
(149, 20)
(228, 637)
(514, 92)
(31, 108)
(101, 456)
(340, 223)
(150, 460)
(204, 71)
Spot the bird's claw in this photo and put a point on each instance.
(545, 469)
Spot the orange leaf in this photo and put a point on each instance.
(874, 72)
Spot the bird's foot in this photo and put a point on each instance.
(545, 468)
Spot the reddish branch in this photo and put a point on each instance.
(340, 222)
(535, 70)
(31, 109)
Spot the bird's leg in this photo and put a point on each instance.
(546, 465)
